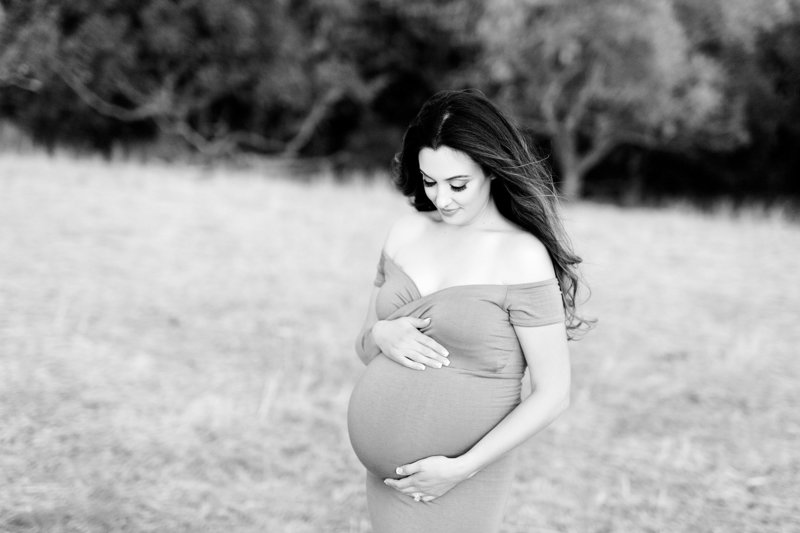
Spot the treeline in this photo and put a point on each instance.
(630, 98)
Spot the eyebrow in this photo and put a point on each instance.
(460, 176)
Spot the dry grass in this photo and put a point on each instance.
(175, 355)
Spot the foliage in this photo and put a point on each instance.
(593, 76)
(709, 86)
(386, 57)
(223, 75)
(758, 48)
(208, 64)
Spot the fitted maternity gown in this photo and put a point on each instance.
(398, 415)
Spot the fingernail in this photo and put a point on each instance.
(446, 353)
(398, 471)
(428, 319)
(447, 363)
(438, 365)
(385, 481)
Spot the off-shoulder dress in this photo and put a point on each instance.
(399, 415)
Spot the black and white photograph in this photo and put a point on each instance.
(399, 266)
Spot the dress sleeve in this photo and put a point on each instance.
(535, 304)
(380, 275)
(365, 344)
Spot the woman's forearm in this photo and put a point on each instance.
(532, 415)
(366, 348)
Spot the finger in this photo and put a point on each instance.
(432, 354)
(420, 357)
(433, 345)
(409, 363)
(406, 484)
(419, 322)
(407, 470)
(405, 488)
(427, 499)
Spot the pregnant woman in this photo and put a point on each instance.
(476, 285)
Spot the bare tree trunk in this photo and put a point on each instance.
(633, 193)
(571, 182)
(569, 163)
(574, 164)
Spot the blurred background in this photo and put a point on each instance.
(634, 99)
(194, 194)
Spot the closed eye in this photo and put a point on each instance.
(455, 188)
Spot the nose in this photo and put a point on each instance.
(442, 199)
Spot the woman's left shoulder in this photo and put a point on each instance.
(525, 259)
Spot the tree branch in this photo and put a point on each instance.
(170, 118)
(600, 148)
(549, 103)
(31, 85)
(312, 121)
(156, 105)
(581, 102)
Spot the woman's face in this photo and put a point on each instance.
(455, 184)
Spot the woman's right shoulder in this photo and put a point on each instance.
(406, 230)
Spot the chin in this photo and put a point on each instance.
(461, 219)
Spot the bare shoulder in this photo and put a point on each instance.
(525, 259)
(405, 230)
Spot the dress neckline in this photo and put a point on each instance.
(414, 285)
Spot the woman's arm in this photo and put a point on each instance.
(366, 348)
(547, 355)
(545, 349)
(399, 339)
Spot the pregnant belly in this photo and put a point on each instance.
(398, 415)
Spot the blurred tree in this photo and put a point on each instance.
(758, 46)
(596, 75)
(775, 109)
(709, 86)
(384, 58)
(21, 55)
(294, 78)
(197, 68)
(210, 71)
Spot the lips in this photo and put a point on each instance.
(448, 212)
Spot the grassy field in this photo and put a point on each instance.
(176, 355)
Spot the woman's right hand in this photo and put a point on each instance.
(401, 341)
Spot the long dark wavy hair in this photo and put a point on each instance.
(522, 190)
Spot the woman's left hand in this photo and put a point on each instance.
(429, 478)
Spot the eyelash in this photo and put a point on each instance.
(453, 187)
